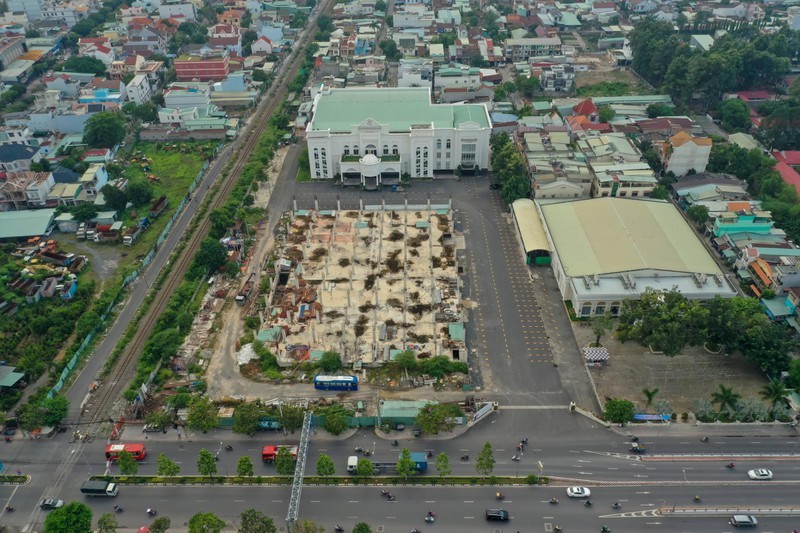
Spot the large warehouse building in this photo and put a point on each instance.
(606, 250)
(377, 135)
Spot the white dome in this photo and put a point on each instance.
(370, 159)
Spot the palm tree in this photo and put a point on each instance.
(650, 395)
(725, 398)
(774, 392)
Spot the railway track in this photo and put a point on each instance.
(120, 375)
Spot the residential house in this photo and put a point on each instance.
(24, 190)
(210, 65)
(413, 16)
(100, 52)
(226, 36)
(64, 13)
(232, 17)
(93, 179)
(68, 87)
(685, 154)
(701, 42)
(619, 179)
(177, 9)
(102, 90)
(31, 8)
(788, 174)
(555, 77)
(138, 89)
(523, 49)
(177, 97)
(11, 48)
(15, 135)
(746, 12)
(146, 41)
(121, 68)
(640, 7)
(17, 157)
(262, 46)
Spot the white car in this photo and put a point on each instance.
(578, 492)
(761, 474)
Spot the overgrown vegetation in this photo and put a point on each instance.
(509, 168)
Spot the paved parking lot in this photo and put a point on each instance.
(519, 331)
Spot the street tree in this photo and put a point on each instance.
(650, 395)
(735, 115)
(160, 419)
(127, 464)
(74, 517)
(202, 414)
(335, 423)
(167, 467)
(211, 255)
(160, 525)
(107, 523)
(362, 527)
(244, 467)
(443, 465)
(284, 463)
(84, 212)
(84, 64)
(697, 214)
(726, 399)
(406, 361)
(104, 130)
(619, 411)
(775, 393)
(206, 463)
(484, 465)
(206, 523)
(517, 185)
(291, 417)
(365, 468)
(434, 417)
(390, 50)
(325, 465)
(246, 418)
(306, 526)
(405, 465)
(253, 521)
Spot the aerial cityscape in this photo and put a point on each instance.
(387, 266)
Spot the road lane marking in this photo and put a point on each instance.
(314, 501)
(469, 501)
(239, 501)
(352, 501)
(277, 501)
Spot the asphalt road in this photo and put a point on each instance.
(463, 508)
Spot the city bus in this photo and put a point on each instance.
(336, 382)
(136, 450)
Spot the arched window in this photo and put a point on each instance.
(346, 150)
(438, 144)
(395, 151)
(385, 149)
(371, 149)
(448, 144)
(355, 149)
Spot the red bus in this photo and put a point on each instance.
(137, 450)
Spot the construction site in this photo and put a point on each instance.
(366, 284)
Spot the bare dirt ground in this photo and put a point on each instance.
(681, 380)
(603, 72)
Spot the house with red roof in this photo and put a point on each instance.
(586, 108)
(789, 175)
(790, 157)
(262, 45)
(226, 36)
(232, 16)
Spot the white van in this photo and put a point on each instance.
(352, 464)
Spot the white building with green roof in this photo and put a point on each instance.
(378, 135)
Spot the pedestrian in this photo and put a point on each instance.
(19, 472)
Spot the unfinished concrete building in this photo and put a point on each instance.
(367, 284)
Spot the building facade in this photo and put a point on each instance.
(207, 67)
(377, 135)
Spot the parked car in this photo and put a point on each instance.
(151, 428)
(578, 492)
(49, 504)
(760, 474)
(398, 427)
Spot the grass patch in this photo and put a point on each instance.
(303, 168)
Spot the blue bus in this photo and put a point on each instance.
(336, 382)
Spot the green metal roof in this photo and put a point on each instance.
(8, 376)
(456, 330)
(28, 223)
(399, 108)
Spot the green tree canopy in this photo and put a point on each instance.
(606, 113)
(726, 399)
(104, 130)
(84, 212)
(139, 192)
(206, 523)
(618, 411)
(434, 418)
(74, 517)
(365, 468)
(362, 527)
(325, 466)
(127, 464)
(85, 64)
(160, 525)
(405, 465)
(115, 198)
(284, 462)
(107, 523)
(443, 467)
(246, 418)
(167, 467)
(484, 465)
(735, 115)
(244, 467)
(254, 521)
(698, 214)
(211, 255)
(202, 414)
(206, 463)
(330, 362)
(390, 50)
(335, 423)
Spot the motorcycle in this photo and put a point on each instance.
(9, 509)
(605, 529)
(431, 513)
(588, 503)
(499, 495)
(553, 501)
(151, 512)
(415, 530)
(515, 457)
(358, 449)
(524, 440)
(367, 453)
(228, 447)
(395, 443)
(616, 506)
(557, 528)
(391, 497)
(704, 439)
(118, 509)
(730, 465)
(338, 529)
(465, 457)
(698, 499)
(430, 519)
(634, 439)
(384, 492)
(430, 453)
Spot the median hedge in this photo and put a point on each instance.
(331, 480)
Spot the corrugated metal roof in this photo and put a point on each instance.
(28, 223)
(616, 235)
(530, 226)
